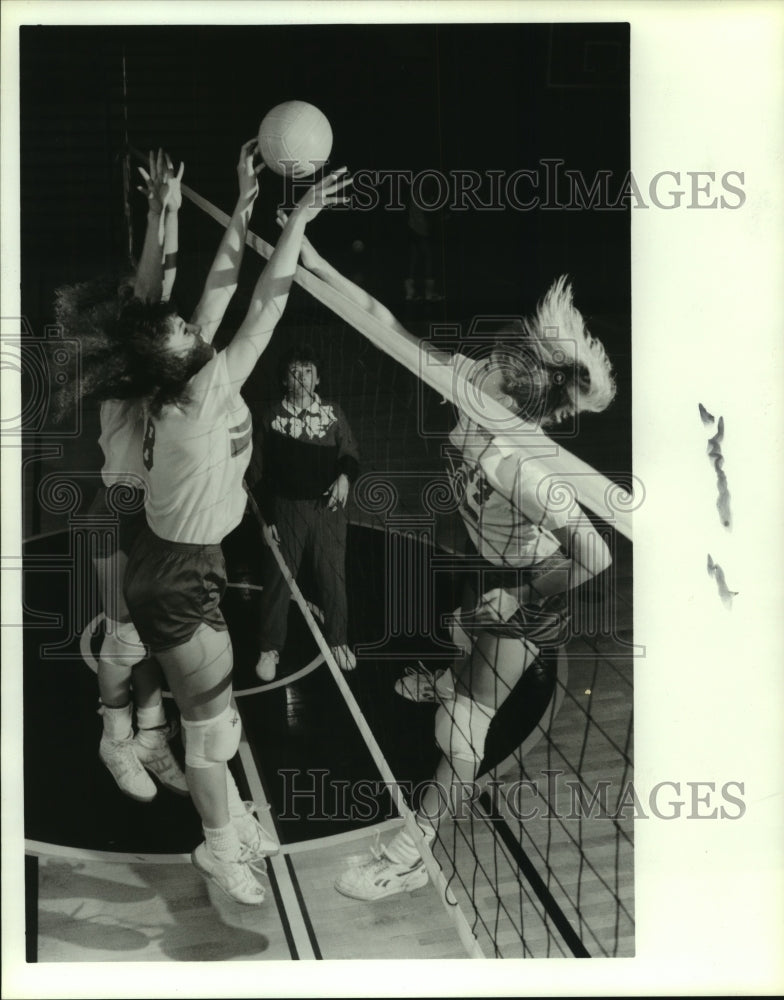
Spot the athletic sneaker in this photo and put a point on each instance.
(267, 665)
(234, 878)
(256, 841)
(382, 876)
(125, 767)
(160, 761)
(344, 658)
(418, 683)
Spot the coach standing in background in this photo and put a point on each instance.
(309, 459)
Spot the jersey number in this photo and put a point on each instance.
(471, 488)
(149, 443)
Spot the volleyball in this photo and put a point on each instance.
(295, 139)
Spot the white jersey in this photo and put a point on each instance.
(122, 433)
(497, 489)
(195, 458)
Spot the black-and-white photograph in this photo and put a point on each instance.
(329, 491)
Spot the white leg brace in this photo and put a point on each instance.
(212, 741)
(461, 728)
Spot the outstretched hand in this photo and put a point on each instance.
(328, 191)
(171, 189)
(161, 186)
(155, 179)
(247, 173)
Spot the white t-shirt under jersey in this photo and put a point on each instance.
(122, 433)
(497, 488)
(195, 458)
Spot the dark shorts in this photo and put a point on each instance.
(171, 588)
(121, 510)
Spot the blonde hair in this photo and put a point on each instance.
(573, 366)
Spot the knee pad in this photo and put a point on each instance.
(212, 741)
(121, 645)
(461, 729)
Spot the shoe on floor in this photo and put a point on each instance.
(267, 665)
(381, 876)
(120, 758)
(234, 878)
(256, 841)
(161, 762)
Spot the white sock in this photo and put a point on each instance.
(223, 842)
(117, 723)
(402, 848)
(151, 722)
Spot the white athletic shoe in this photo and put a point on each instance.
(160, 761)
(344, 658)
(234, 878)
(256, 841)
(419, 684)
(381, 876)
(125, 767)
(267, 665)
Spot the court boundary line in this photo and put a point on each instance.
(276, 862)
(42, 849)
(464, 930)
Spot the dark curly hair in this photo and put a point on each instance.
(122, 353)
(153, 372)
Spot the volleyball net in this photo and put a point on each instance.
(538, 862)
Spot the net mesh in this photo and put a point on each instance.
(540, 863)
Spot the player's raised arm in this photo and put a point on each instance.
(172, 200)
(272, 289)
(311, 259)
(221, 282)
(148, 285)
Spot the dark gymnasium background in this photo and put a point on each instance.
(399, 97)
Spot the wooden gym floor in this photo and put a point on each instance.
(109, 879)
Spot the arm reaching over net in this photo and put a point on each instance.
(272, 289)
(172, 200)
(221, 283)
(312, 260)
(148, 283)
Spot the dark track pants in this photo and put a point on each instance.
(306, 525)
